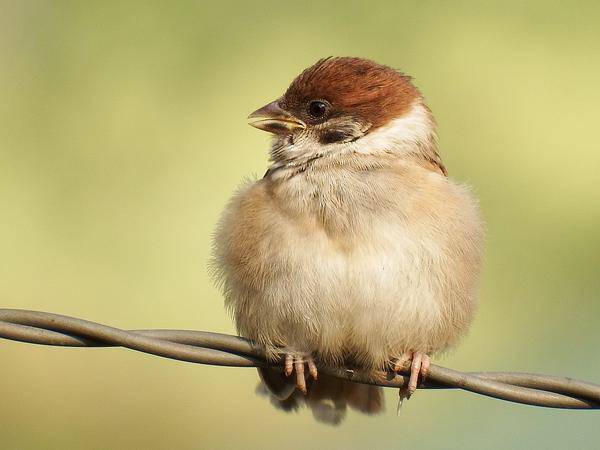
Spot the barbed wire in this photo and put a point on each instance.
(202, 347)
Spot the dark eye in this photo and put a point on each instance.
(317, 109)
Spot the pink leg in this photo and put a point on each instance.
(288, 365)
(296, 363)
(419, 365)
(312, 369)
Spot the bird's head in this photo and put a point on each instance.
(348, 105)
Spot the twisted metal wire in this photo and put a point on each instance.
(223, 350)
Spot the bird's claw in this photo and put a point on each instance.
(419, 365)
(297, 363)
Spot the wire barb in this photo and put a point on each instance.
(202, 347)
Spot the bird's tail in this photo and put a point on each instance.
(328, 398)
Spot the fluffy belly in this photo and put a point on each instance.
(366, 304)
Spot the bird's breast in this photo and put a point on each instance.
(342, 270)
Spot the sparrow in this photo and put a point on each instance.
(355, 249)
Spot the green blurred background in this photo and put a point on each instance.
(123, 133)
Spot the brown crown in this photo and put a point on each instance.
(359, 87)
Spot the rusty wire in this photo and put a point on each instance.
(223, 350)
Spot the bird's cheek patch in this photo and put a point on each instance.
(339, 134)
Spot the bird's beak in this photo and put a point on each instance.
(274, 119)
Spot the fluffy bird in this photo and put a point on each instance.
(355, 249)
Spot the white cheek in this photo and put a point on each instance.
(400, 135)
(307, 144)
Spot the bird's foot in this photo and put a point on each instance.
(297, 363)
(419, 365)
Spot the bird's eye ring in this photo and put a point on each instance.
(317, 109)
